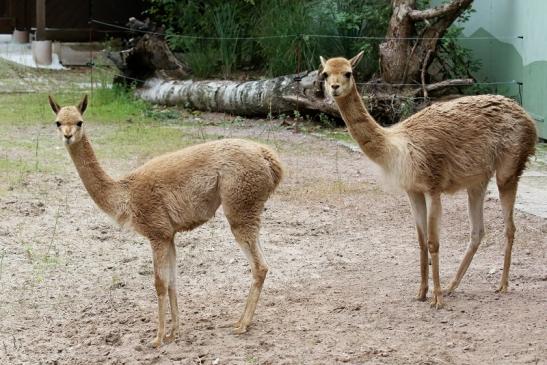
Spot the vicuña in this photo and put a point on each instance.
(446, 147)
(177, 192)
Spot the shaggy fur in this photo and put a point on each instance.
(444, 148)
(178, 192)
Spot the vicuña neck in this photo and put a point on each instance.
(105, 192)
(362, 126)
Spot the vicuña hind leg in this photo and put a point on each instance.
(434, 211)
(172, 289)
(160, 249)
(508, 192)
(475, 197)
(417, 202)
(246, 235)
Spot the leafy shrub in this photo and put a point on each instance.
(271, 36)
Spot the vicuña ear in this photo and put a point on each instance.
(355, 60)
(54, 106)
(323, 61)
(83, 105)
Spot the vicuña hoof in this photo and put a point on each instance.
(422, 294)
(502, 289)
(156, 342)
(437, 301)
(171, 337)
(450, 290)
(239, 329)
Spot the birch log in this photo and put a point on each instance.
(250, 98)
(159, 76)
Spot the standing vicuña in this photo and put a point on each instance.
(178, 192)
(446, 147)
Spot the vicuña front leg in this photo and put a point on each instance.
(434, 211)
(417, 202)
(247, 237)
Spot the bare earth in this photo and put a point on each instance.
(76, 289)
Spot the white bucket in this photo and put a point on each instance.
(41, 52)
(20, 36)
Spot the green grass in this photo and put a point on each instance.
(13, 172)
(16, 78)
(142, 140)
(120, 126)
(338, 135)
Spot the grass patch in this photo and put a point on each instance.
(106, 105)
(338, 135)
(14, 172)
(325, 189)
(15, 78)
(142, 140)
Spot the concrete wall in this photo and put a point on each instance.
(506, 57)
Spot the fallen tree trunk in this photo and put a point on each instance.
(250, 98)
(158, 74)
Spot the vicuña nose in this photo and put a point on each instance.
(335, 86)
(67, 136)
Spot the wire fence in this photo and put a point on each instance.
(273, 36)
(299, 56)
(30, 84)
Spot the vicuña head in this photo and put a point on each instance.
(69, 120)
(338, 74)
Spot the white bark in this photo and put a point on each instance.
(250, 98)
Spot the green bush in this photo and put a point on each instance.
(279, 28)
(220, 38)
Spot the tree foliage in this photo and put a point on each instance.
(270, 36)
(217, 38)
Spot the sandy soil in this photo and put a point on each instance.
(76, 289)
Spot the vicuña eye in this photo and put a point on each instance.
(79, 124)
(347, 74)
(58, 124)
(324, 75)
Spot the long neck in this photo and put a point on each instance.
(105, 192)
(372, 138)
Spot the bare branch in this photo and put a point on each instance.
(446, 83)
(439, 11)
(322, 105)
(424, 68)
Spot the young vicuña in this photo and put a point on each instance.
(178, 192)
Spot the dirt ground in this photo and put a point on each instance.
(344, 271)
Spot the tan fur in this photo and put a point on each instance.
(180, 191)
(459, 144)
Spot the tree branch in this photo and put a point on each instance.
(446, 83)
(424, 68)
(439, 11)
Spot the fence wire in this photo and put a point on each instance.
(30, 84)
(273, 36)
